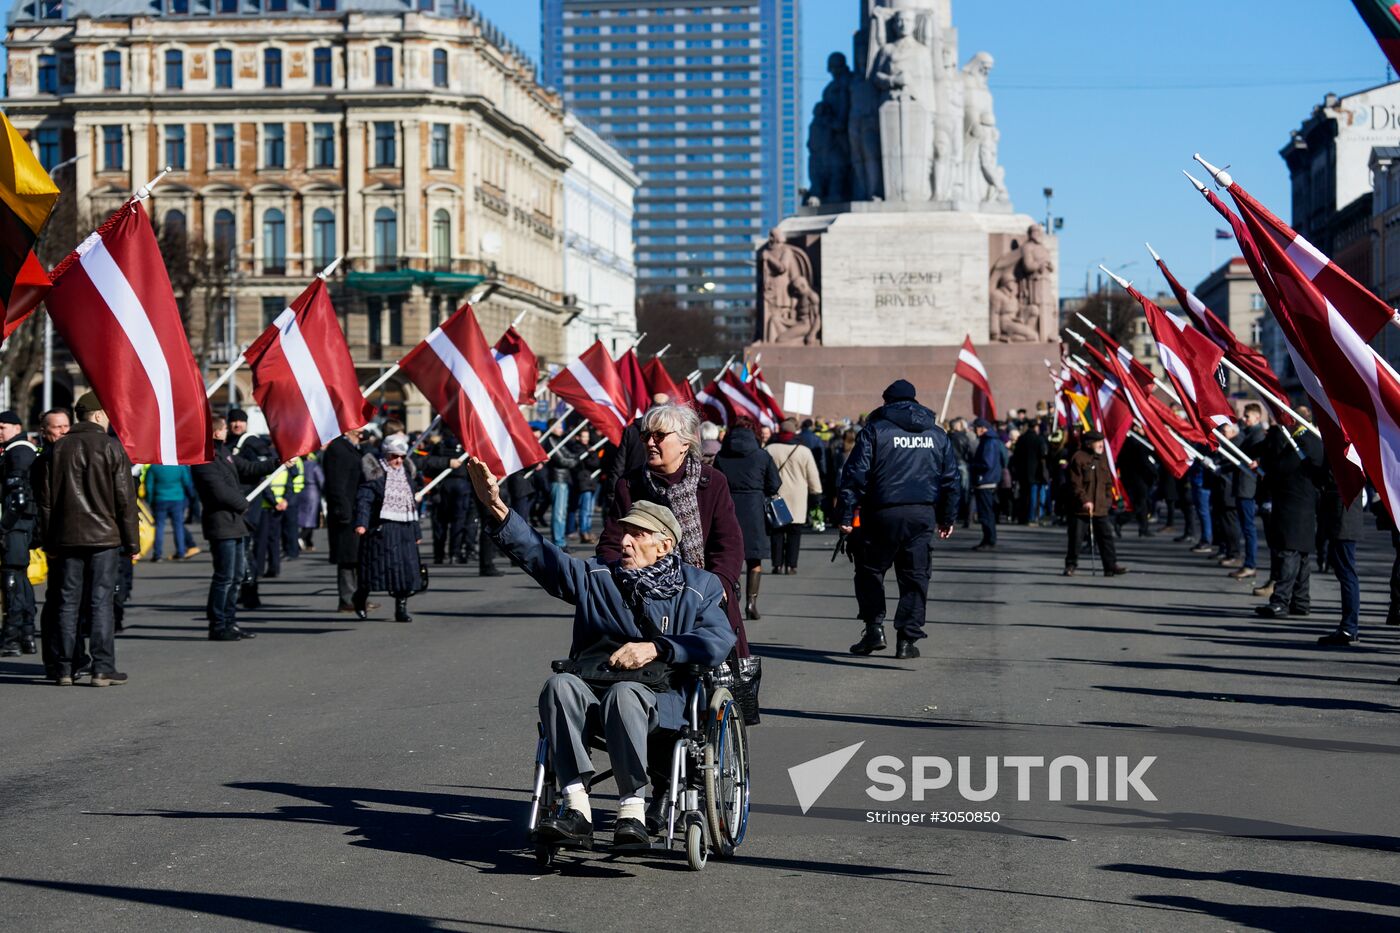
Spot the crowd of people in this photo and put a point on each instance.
(743, 494)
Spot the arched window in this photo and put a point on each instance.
(386, 240)
(323, 243)
(442, 240)
(175, 226)
(439, 67)
(384, 66)
(274, 242)
(224, 236)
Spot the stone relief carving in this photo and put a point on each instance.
(791, 306)
(1020, 288)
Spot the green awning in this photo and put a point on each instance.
(392, 283)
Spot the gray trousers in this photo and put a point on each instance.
(572, 713)
(1292, 589)
(345, 581)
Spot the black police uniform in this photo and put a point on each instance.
(903, 476)
(19, 514)
(254, 459)
(452, 503)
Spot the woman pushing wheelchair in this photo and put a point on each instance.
(637, 621)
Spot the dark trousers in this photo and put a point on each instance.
(1293, 582)
(450, 519)
(987, 513)
(251, 568)
(1343, 556)
(267, 545)
(900, 536)
(347, 581)
(19, 606)
(222, 607)
(291, 537)
(1231, 537)
(1394, 610)
(786, 544)
(88, 578)
(1249, 532)
(1079, 526)
(174, 512)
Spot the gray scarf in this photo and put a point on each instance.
(662, 580)
(683, 503)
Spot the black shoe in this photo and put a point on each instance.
(1270, 611)
(27, 645)
(984, 546)
(491, 570)
(1116, 571)
(9, 651)
(242, 634)
(361, 604)
(569, 829)
(345, 607)
(872, 640)
(222, 633)
(656, 810)
(401, 611)
(1300, 612)
(113, 679)
(1069, 571)
(905, 649)
(1337, 639)
(630, 832)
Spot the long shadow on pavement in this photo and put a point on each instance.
(274, 912)
(1360, 706)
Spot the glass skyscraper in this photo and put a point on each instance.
(705, 101)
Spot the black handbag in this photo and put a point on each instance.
(591, 666)
(423, 578)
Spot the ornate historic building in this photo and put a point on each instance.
(407, 135)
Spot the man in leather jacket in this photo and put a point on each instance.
(903, 476)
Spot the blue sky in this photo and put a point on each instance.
(1105, 100)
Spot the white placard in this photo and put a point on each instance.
(797, 398)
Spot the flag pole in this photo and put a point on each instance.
(567, 437)
(267, 480)
(330, 269)
(233, 367)
(518, 318)
(693, 376)
(383, 378)
(568, 410)
(948, 396)
(437, 419)
(662, 352)
(1271, 397)
(144, 192)
(723, 369)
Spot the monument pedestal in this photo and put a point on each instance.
(892, 276)
(849, 380)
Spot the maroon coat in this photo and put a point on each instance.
(724, 541)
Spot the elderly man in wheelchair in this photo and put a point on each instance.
(646, 632)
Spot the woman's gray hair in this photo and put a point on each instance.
(709, 431)
(679, 419)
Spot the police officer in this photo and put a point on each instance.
(18, 514)
(903, 476)
(453, 496)
(254, 459)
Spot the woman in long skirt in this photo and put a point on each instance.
(386, 519)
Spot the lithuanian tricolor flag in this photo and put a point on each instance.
(27, 195)
(1383, 18)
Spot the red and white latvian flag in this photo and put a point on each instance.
(1112, 418)
(112, 304)
(303, 376)
(765, 394)
(969, 367)
(1333, 318)
(457, 372)
(591, 385)
(1170, 452)
(518, 365)
(659, 382)
(1190, 359)
(1342, 454)
(711, 403)
(743, 400)
(634, 382)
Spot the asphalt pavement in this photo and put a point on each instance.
(338, 775)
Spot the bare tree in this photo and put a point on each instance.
(1113, 312)
(691, 332)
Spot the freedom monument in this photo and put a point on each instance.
(907, 241)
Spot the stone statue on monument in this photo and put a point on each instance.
(984, 179)
(1038, 303)
(791, 305)
(829, 139)
(948, 135)
(903, 74)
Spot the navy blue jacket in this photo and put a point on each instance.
(901, 457)
(987, 463)
(695, 628)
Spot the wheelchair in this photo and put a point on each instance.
(705, 801)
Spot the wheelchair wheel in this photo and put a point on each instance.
(726, 773)
(696, 851)
(544, 855)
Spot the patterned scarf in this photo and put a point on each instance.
(398, 496)
(683, 503)
(662, 580)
